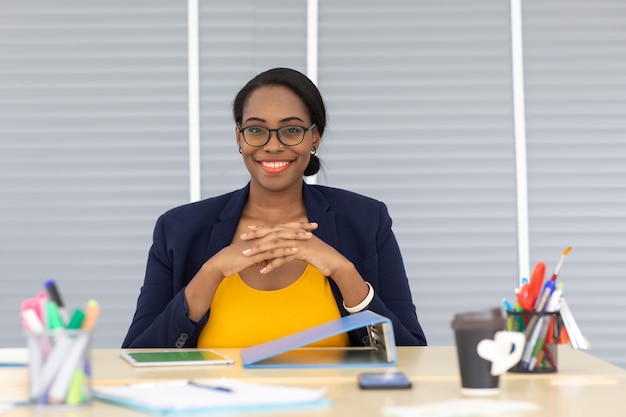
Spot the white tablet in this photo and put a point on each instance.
(175, 357)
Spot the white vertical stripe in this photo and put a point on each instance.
(311, 39)
(519, 120)
(194, 99)
(311, 51)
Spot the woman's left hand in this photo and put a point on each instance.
(264, 240)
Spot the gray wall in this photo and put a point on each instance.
(94, 141)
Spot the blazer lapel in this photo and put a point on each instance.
(223, 232)
(318, 210)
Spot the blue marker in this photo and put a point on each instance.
(53, 293)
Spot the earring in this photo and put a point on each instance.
(240, 151)
(313, 151)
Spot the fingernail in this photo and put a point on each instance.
(247, 251)
(243, 236)
(294, 249)
(263, 270)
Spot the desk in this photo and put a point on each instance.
(584, 385)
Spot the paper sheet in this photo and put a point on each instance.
(176, 397)
(13, 357)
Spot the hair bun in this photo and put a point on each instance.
(313, 167)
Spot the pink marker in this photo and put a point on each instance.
(31, 321)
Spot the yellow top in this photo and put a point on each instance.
(242, 316)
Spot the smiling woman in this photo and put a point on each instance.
(277, 256)
(273, 143)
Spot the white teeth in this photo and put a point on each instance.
(274, 164)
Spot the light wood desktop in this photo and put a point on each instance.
(583, 386)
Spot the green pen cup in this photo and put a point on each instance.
(543, 334)
(59, 367)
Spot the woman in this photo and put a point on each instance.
(279, 255)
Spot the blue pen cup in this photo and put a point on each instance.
(543, 334)
(59, 367)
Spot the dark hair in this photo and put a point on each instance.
(299, 84)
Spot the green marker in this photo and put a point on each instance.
(77, 319)
(54, 317)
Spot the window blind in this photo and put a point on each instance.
(419, 96)
(93, 146)
(238, 40)
(575, 59)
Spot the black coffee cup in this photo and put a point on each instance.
(485, 350)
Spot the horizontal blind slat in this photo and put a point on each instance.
(93, 146)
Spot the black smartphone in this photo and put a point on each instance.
(384, 380)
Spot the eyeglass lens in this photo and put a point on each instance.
(258, 135)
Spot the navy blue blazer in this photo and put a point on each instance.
(185, 237)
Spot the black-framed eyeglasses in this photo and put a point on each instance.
(287, 135)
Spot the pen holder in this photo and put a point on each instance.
(59, 367)
(542, 331)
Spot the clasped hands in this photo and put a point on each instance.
(269, 247)
(276, 245)
(272, 246)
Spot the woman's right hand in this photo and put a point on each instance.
(278, 243)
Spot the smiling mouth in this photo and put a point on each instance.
(274, 167)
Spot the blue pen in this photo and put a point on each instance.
(533, 329)
(507, 305)
(543, 326)
(543, 298)
(180, 383)
(545, 294)
(211, 387)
